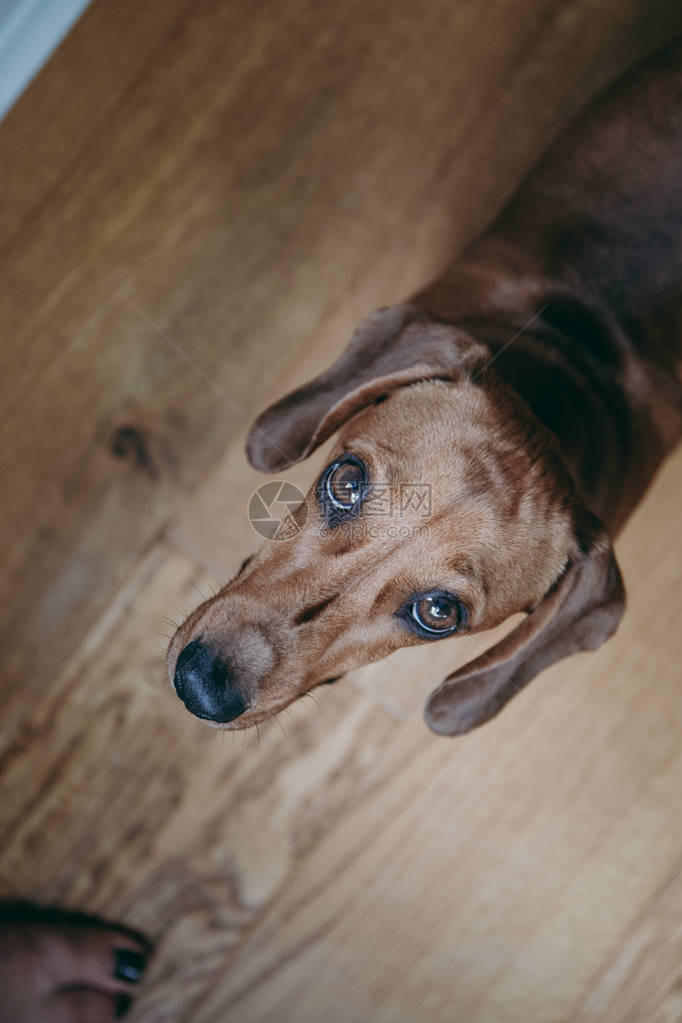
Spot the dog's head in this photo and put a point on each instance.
(446, 506)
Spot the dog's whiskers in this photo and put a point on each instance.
(314, 699)
(275, 718)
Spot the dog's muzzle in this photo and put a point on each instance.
(204, 681)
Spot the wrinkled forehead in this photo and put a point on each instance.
(444, 436)
(420, 422)
(470, 449)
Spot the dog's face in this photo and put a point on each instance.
(445, 508)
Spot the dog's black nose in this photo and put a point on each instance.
(203, 681)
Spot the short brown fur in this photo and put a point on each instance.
(535, 387)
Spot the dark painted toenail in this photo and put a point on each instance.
(123, 1003)
(128, 965)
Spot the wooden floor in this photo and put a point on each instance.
(199, 200)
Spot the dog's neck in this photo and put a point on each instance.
(615, 414)
(576, 287)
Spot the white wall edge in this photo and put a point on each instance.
(30, 33)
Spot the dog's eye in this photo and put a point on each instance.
(437, 613)
(344, 483)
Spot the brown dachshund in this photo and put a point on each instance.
(495, 432)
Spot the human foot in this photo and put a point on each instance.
(63, 967)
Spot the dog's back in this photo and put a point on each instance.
(583, 271)
(604, 208)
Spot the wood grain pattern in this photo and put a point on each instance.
(236, 185)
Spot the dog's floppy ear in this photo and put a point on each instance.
(392, 347)
(579, 612)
